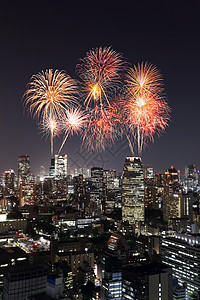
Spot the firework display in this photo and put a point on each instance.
(146, 110)
(50, 125)
(144, 80)
(100, 74)
(109, 107)
(48, 95)
(73, 123)
(100, 130)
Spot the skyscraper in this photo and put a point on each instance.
(182, 254)
(9, 182)
(172, 195)
(61, 165)
(148, 173)
(52, 167)
(96, 194)
(190, 178)
(133, 190)
(23, 168)
(149, 281)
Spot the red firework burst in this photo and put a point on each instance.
(100, 130)
(147, 112)
(100, 73)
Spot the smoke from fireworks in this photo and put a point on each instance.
(100, 73)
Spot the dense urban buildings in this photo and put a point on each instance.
(96, 234)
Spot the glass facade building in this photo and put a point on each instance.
(133, 190)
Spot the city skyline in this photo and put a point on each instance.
(27, 50)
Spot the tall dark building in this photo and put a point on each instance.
(9, 180)
(96, 194)
(190, 178)
(23, 280)
(150, 281)
(133, 190)
(172, 195)
(23, 168)
(52, 167)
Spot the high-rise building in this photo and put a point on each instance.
(96, 194)
(23, 280)
(190, 201)
(112, 281)
(9, 182)
(172, 195)
(149, 281)
(27, 191)
(148, 173)
(182, 254)
(84, 171)
(23, 168)
(133, 190)
(61, 165)
(109, 177)
(190, 178)
(70, 185)
(52, 167)
(42, 173)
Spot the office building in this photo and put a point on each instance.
(182, 254)
(9, 182)
(148, 173)
(9, 256)
(190, 178)
(112, 281)
(147, 282)
(27, 192)
(23, 168)
(23, 280)
(133, 191)
(97, 191)
(180, 292)
(190, 204)
(52, 168)
(171, 195)
(61, 166)
(55, 286)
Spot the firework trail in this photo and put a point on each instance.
(73, 122)
(50, 125)
(100, 74)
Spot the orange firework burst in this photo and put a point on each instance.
(49, 93)
(144, 79)
(73, 123)
(100, 130)
(146, 110)
(100, 73)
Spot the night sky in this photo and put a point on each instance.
(45, 34)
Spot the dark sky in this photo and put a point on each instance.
(45, 34)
